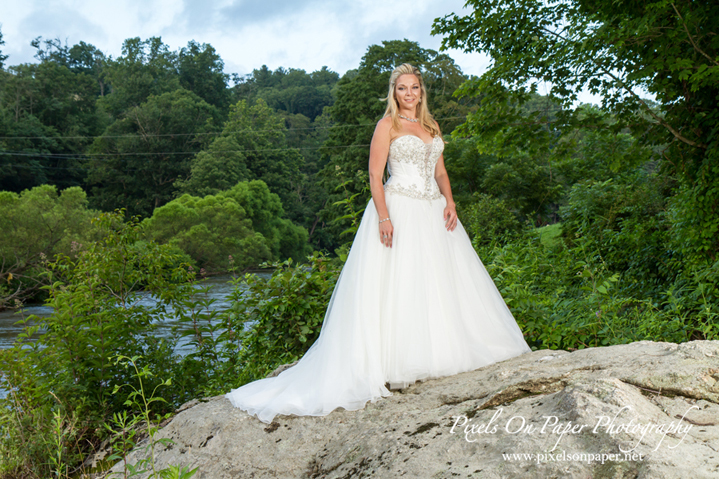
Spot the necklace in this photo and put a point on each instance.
(413, 120)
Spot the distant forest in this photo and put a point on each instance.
(142, 129)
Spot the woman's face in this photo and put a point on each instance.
(407, 91)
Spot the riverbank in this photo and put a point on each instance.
(220, 289)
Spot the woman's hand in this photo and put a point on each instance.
(386, 230)
(450, 217)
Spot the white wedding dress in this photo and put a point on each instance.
(424, 308)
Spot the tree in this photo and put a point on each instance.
(137, 160)
(292, 90)
(146, 67)
(215, 169)
(66, 363)
(200, 69)
(24, 154)
(252, 146)
(37, 224)
(212, 230)
(616, 50)
(245, 222)
(47, 110)
(79, 58)
(2, 57)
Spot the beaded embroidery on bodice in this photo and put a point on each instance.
(411, 164)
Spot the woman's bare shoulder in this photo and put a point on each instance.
(384, 125)
(384, 128)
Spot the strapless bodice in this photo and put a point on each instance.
(411, 164)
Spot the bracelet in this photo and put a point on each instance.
(386, 219)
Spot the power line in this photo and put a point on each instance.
(103, 156)
(85, 156)
(214, 133)
(55, 167)
(92, 156)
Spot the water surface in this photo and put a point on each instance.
(220, 289)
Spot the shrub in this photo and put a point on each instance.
(271, 322)
(625, 221)
(245, 222)
(490, 220)
(98, 313)
(36, 225)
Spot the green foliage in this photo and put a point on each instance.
(694, 214)
(567, 298)
(271, 322)
(79, 58)
(2, 57)
(141, 400)
(302, 100)
(613, 49)
(292, 90)
(145, 68)
(490, 220)
(200, 70)
(244, 222)
(466, 168)
(625, 221)
(215, 169)
(632, 179)
(209, 230)
(47, 105)
(139, 157)
(534, 174)
(309, 137)
(38, 224)
(608, 275)
(149, 68)
(29, 169)
(532, 165)
(252, 146)
(98, 313)
(277, 320)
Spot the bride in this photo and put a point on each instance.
(413, 300)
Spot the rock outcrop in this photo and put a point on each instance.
(641, 410)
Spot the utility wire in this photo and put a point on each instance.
(85, 156)
(76, 157)
(91, 156)
(215, 133)
(104, 156)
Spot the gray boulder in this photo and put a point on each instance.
(641, 410)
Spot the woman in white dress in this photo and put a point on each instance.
(413, 300)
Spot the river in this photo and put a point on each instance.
(220, 291)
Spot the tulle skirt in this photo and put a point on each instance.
(424, 308)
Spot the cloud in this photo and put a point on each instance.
(49, 22)
(249, 12)
(308, 33)
(232, 15)
(58, 23)
(305, 34)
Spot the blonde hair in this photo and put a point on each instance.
(423, 115)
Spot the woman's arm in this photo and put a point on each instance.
(450, 211)
(378, 151)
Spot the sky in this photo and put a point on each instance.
(307, 34)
